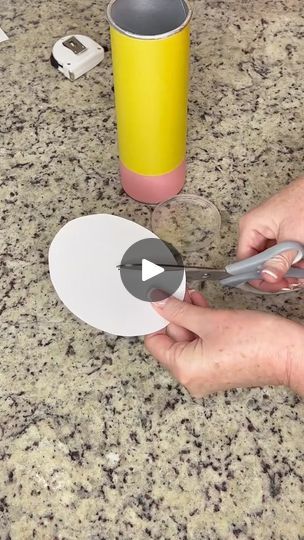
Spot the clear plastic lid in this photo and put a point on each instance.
(189, 222)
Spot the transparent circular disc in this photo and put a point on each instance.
(188, 222)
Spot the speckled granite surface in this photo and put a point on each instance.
(97, 442)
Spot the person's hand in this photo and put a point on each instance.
(278, 219)
(209, 350)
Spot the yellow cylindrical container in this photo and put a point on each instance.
(150, 48)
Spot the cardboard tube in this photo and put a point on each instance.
(150, 49)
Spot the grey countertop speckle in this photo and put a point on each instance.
(97, 442)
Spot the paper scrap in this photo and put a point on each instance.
(3, 36)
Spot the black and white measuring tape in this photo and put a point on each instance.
(76, 55)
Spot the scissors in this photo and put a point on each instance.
(240, 273)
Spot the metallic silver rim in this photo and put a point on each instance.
(139, 36)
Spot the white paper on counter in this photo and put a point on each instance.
(83, 261)
(3, 36)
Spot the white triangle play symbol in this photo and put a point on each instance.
(150, 270)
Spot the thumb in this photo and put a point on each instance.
(276, 268)
(186, 315)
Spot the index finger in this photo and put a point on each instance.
(252, 242)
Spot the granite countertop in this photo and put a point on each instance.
(97, 441)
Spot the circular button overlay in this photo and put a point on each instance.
(143, 270)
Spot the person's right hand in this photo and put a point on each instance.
(279, 219)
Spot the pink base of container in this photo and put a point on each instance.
(153, 189)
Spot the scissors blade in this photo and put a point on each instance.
(192, 272)
(204, 274)
(138, 266)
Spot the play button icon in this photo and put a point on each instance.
(143, 270)
(150, 270)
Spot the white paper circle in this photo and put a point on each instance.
(83, 261)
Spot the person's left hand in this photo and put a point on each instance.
(208, 350)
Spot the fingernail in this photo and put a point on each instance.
(157, 297)
(270, 273)
(295, 286)
(191, 292)
(161, 303)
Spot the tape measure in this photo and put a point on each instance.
(76, 55)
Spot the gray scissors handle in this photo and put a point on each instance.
(249, 269)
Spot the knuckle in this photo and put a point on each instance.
(184, 379)
(299, 178)
(285, 261)
(281, 261)
(288, 375)
(247, 218)
(178, 311)
(198, 394)
(182, 373)
(243, 222)
(171, 358)
(244, 218)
